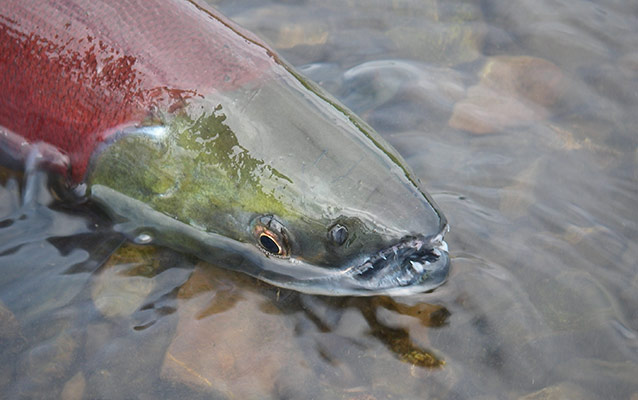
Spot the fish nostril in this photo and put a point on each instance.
(338, 234)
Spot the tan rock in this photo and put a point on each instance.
(74, 388)
(628, 64)
(516, 198)
(12, 342)
(50, 361)
(562, 391)
(441, 34)
(6, 173)
(512, 91)
(9, 192)
(486, 110)
(534, 79)
(292, 35)
(230, 338)
(125, 281)
(9, 326)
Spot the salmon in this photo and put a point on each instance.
(193, 134)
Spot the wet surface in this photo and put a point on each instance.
(520, 120)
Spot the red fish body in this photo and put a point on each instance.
(73, 71)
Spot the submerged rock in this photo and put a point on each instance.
(6, 174)
(398, 95)
(452, 33)
(573, 34)
(555, 298)
(126, 279)
(45, 366)
(230, 339)
(433, 31)
(74, 388)
(9, 325)
(561, 391)
(512, 91)
(515, 199)
(602, 378)
(11, 343)
(118, 290)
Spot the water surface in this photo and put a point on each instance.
(520, 119)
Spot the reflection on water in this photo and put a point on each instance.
(519, 117)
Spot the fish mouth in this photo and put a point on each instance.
(414, 264)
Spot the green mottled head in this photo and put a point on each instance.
(278, 174)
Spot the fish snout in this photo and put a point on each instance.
(410, 265)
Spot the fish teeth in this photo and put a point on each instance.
(417, 266)
(366, 266)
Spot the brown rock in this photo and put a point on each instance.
(229, 339)
(516, 198)
(512, 91)
(485, 110)
(125, 281)
(6, 173)
(439, 32)
(12, 343)
(74, 388)
(50, 361)
(292, 35)
(530, 78)
(562, 391)
(628, 64)
(9, 326)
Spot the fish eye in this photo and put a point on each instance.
(338, 234)
(271, 236)
(269, 244)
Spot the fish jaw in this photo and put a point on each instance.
(414, 264)
(419, 266)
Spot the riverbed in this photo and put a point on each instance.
(520, 120)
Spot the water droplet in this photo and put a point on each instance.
(143, 238)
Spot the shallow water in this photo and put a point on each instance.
(520, 119)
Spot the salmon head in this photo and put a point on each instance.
(282, 182)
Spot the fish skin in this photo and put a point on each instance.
(190, 131)
(73, 71)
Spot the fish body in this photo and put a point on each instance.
(74, 71)
(194, 134)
